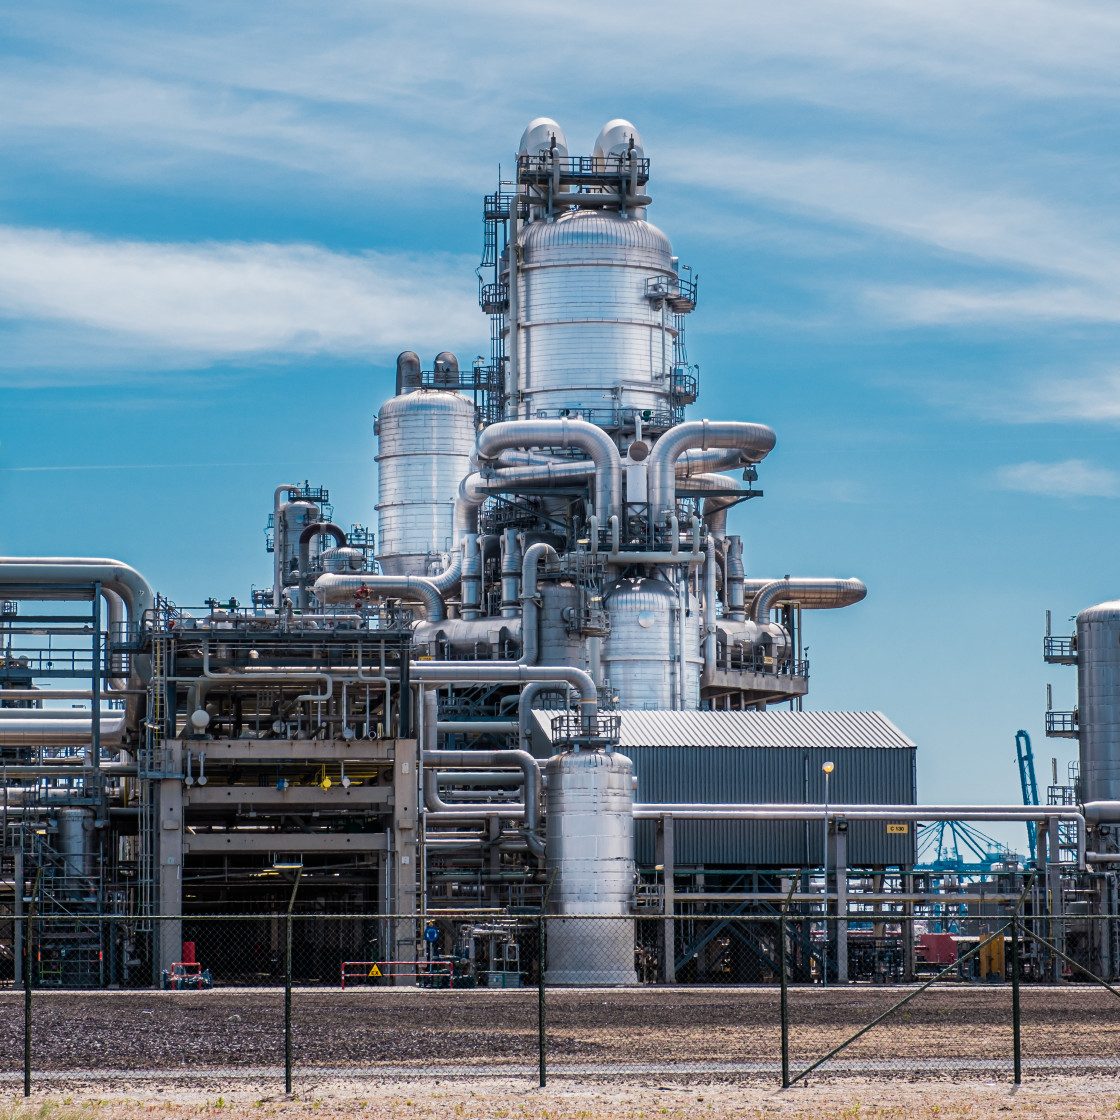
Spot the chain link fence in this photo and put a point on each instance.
(775, 998)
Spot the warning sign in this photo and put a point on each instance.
(375, 971)
(900, 828)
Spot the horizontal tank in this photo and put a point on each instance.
(641, 655)
(1098, 701)
(425, 439)
(590, 337)
(589, 851)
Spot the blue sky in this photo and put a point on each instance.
(219, 224)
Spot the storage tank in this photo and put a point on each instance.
(561, 642)
(294, 517)
(589, 854)
(74, 830)
(1098, 701)
(591, 341)
(642, 653)
(425, 439)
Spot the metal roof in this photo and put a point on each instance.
(833, 730)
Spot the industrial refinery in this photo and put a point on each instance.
(545, 681)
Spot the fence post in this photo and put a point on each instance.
(288, 1002)
(1015, 1014)
(288, 984)
(542, 1037)
(785, 1004)
(27, 966)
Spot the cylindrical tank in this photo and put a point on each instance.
(589, 854)
(1098, 701)
(590, 338)
(294, 518)
(561, 643)
(74, 831)
(641, 654)
(425, 439)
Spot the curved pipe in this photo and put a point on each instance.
(127, 594)
(530, 603)
(715, 507)
(808, 593)
(456, 672)
(598, 446)
(116, 615)
(315, 529)
(525, 707)
(694, 461)
(754, 441)
(128, 583)
(572, 473)
(333, 587)
(530, 778)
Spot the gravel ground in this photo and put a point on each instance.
(950, 1032)
(846, 1100)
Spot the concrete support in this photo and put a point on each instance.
(169, 849)
(666, 858)
(403, 876)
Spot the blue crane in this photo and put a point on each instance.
(1028, 781)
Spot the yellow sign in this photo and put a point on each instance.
(899, 828)
(375, 971)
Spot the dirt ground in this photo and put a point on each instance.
(568, 1100)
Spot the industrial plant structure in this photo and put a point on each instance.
(548, 681)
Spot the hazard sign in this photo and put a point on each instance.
(375, 971)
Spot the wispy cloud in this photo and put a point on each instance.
(213, 301)
(1072, 478)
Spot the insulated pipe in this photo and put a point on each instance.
(694, 461)
(716, 507)
(525, 707)
(755, 441)
(59, 694)
(478, 778)
(473, 672)
(734, 593)
(512, 558)
(598, 446)
(128, 583)
(709, 610)
(116, 617)
(315, 529)
(531, 779)
(530, 604)
(269, 677)
(333, 587)
(57, 732)
(808, 593)
(31, 715)
(477, 726)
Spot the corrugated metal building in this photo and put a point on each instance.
(770, 756)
